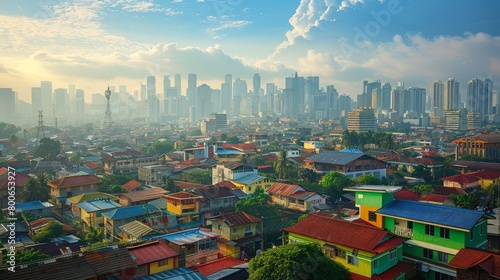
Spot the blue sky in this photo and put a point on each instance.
(94, 43)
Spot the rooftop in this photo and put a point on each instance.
(179, 273)
(447, 216)
(98, 205)
(142, 195)
(131, 211)
(214, 266)
(373, 188)
(188, 236)
(72, 181)
(237, 218)
(92, 196)
(151, 251)
(285, 189)
(136, 229)
(32, 205)
(20, 179)
(131, 185)
(333, 157)
(183, 195)
(249, 179)
(468, 258)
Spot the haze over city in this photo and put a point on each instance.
(95, 44)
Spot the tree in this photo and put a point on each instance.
(13, 139)
(423, 190)
(465, 200)
(168, 184)
(443, 172)
(48, 149)
(117, 189)
(94, 235)
(75, 158)
(296, 261)
(28, 256)
(334, 182)
(281, 166)
(197, 176)
(420, 171)
(110, 180)
(52, 230)
(368, 179)
(8, 129)
(257, 205)
(308, 175)
(36, 188)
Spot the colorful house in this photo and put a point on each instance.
(240, 234)
(216, 200)
(118, 217)
(476, 264)
(186, 206)
(91, 212)
(141, 196)
(73, 185)
(249, 183)
(366, 251)
(487, 177)
(436, 232)
(462, 181)
(153, 257)
(295, 197)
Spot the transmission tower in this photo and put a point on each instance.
(40, 127)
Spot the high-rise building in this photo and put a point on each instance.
(153, 104)
(47, 107)
(60, 103)
(191, 89)
(451, 95)
(227, 93)
(368, 90)
(36, 101)
(177, 85)
(415, 100)
(239, 92)
(473, 121)
(7, 105)
(456, 119)
(80, 104)
(203, 102)
(436, 102)
(361, 119)
(255, 94)
(271, 90)
(294, 96)
(398, 102)
(385, 99)
(479, 97)
(311, 89)
(332, 102)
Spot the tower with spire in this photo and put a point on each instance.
(107, 116)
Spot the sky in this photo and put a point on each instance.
(92, 44)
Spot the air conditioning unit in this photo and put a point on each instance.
(424, 267)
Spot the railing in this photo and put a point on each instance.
(403, 231)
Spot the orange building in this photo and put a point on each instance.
(483, 145)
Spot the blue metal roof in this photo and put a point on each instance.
(179, 273)
(228, 152)
(98, 205)
(131, 211)
(188, 236)
(30, 205)
(448, 216)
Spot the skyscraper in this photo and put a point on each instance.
(7, 105)
(60, 104)
(451, 95)
(36, 101)
(239, 91)
(436, 98)
(310, 90)
(271, 90)
(47, 108)
(385, 98)
(255, 94)
(294, 96)
(191, 89)
(227, 92)
(80, 104)
(361, 119)
(479, 97)
(153, 102)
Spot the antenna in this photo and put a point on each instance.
(40, 126)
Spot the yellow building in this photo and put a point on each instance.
(240, 232)
(91, 211)
(186, 206)
(153, 257)
(251, 182)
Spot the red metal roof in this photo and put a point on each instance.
(20, 179)
(435, 198)
(216, 266)
(467, 258)
(405, 194)
(131, 185)
(3, 171)
(487, 174)
(71, 181)
(336, 231)
(461, 178)
(92, 165)
(237, 218)
(151, 252)
(186, 185)
(280, 188)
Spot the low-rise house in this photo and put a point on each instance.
(20, 180)
(141, 197)
(231, 171)
(241, 234)
(487, 177)
(186, 206)
(365, 250)
(295, 197)
(249, 183)
(462, 181)
(35, 208)
(63, 188)
(154, 173)
(132, 186)
(216, 200)
(37, 225)
(126, 162)
(195, 246)
(91, 212)
(134, 231)
(74, 200)
(476, 264)
(210, 269)
(352, 165)
(153, 257)
(118, 217)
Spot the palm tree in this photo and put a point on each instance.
(36, 188)
(281, 165)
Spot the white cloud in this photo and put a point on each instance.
(225, 25)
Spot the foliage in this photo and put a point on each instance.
(443, 172)
(111, 180)
(8, 129)
(117, 189)
(423, 190)
(383, 140)
(52, 230)
(396, 179)
(94, 235)
(333, 184)
(197, 176)
(368, 179)
(168, 184)
(48, 149)
(492, 195)
(158, 148)
(36, 188)
(75, 158)
(281, 166)
(420, 171)
(256, 205)
(296, 261)
(28, 256)
(465, 200)
(13, 139)
(96, 245)
(307, 175)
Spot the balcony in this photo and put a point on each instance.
(403, 231)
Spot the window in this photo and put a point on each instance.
(352, 260)
(428, 253)
(219, 227)
(372, 216)
(443, 257)
(248, 228)
(393, 253)
(207, 244)
(163, 262)
(472, 234)
(140, 270)
(481, 229)
(339, 253)
(409, 224)
(375, 263)
(429, 230)
(444, 233)
(235, 230)
(249, 189)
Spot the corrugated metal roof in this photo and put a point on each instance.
(189, 236)
(131, 211)
(151, 252)
(333, 157)
(449, 216)
(237, 218)
(249, 179)
(179, 273)
(136, 229)
(98, 205)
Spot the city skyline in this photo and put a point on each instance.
(92, 45)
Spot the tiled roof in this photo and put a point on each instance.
(228, 184)
(405, 194)
(20, 179)
(461, 178)
(393, 272)
(187, 185)
(336, 231)
(109, 260)
(39, 224)
(136, 229)
(475, 165)
(214, 266)
(142, 195)
(239, 146)
(333, 157)
(435, 198)
(3, 171)
(131, 211)
(92, 196)
(151, 251)
(279, 188)
(487, 138)
(131, 185)
(467, 258)
(92, 165)
(237, 218)
(214, 192)
(72, 181)
(449, 216)
(487, 174)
